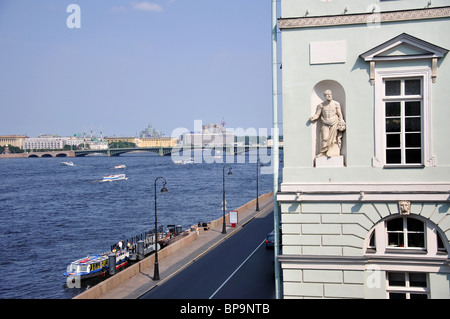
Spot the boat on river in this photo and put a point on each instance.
(67, 163)
(184, 162)
(120, 166)
(114, 177)
(96, 265)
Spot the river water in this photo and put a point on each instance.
(51, 214)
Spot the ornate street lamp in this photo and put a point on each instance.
(224, 229)
(163, 191)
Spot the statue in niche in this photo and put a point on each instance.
(333, 125)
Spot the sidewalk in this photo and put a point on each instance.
(142, 282)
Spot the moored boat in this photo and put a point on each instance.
(94, 266)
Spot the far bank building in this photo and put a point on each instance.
(366, 179)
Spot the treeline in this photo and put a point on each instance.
(121, 144)
(12, 149)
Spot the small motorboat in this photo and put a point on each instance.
(114, 177)
(67, 164)
(120, 166)
(184, 162)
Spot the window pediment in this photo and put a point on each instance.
(404, 47)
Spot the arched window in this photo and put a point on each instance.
(406, 233)
(407, 248)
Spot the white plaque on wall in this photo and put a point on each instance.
(327, 52)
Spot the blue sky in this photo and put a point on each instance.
(132, 63)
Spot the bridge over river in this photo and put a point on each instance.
(161, 151)
(166, 151)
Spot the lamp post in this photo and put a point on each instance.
(257, 185)
(156, 270)
(224, 229)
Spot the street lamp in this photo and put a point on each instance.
(163, 191)
(257, 182)
(224, 229)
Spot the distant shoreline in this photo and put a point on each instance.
(40, 154)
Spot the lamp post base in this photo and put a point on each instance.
(156, 272)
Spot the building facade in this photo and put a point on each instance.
(12, 140)
(146, 141)
(365, 192)
(49, 142)
(211, 135)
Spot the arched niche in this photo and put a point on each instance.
(317, 97)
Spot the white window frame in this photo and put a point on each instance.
(405, 233)
(407, 289)
(379, 159)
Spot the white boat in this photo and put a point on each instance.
(67, 164)
(184, 162)
(115, 177)
(120, 166)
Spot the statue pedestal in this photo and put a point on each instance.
(335, 161)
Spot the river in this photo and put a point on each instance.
(51, 214)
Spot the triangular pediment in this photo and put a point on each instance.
(402, 47)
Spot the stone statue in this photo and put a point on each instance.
(333, 125)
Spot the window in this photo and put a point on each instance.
(407, 285)
(403, 121)
(405, 232)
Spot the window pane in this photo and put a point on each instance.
(412, 124)
(392, 87)
(397, 295)
(393, 125)
(395, 240)
(417, 279)
(393, 157)
(372, 240)
(412, 108)
(413, 156)
(412, 87)
(393, 109)
(416, 240)
(413, 140)
(393, 140)
(395, 224)
(414, 224)
(396, 279)
(418, 296)
(440, 243)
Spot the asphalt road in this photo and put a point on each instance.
(239, 268)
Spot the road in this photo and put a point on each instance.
(239, 268)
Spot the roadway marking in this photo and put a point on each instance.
(215, 292)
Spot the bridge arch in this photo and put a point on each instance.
(61, 155)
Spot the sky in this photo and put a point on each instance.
(118, 66)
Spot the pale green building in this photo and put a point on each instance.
(369, 217)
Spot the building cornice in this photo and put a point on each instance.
(364, 18)
(364, 192)
(400, 263)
